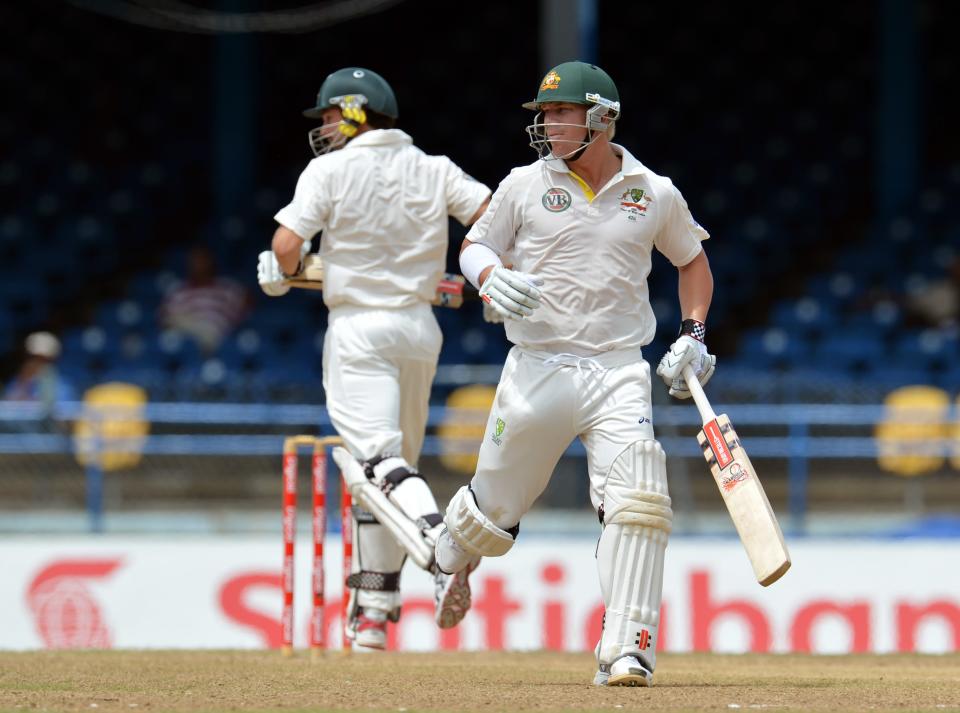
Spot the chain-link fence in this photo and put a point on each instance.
(125, 465)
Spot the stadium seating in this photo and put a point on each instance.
(808, 278)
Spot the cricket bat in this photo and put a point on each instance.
(741, 489)
(449, 291)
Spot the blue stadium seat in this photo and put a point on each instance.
(772, 347)
(849, 350)
(929, 348)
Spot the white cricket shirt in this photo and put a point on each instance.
(593, 255)
(382, 205)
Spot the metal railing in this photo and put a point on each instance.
(798, 443)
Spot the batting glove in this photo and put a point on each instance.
(491, 315)
(513, 295)
(271, 279)
(686, 350)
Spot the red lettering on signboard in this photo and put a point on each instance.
(232, 601)
(493, 604)
(554, 610)
(909, 617)
(857, 617)
(705, 612)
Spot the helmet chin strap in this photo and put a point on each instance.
(576, 155)
(543, 145)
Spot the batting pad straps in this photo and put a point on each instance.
(396, 476)
(392, 515)
(474, 259)
(376, 581)
(431, 520)
(473, 530)
(643, 509)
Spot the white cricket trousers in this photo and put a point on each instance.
(378, 367)
(543, 402)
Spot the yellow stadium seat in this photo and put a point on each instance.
(462, 430)
(955, 460)
(912, 434)
(112, 428)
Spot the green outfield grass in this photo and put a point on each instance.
(263, 681)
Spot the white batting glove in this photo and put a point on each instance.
(269, 276)
(513, 295)
(686, 350)
(491, 315)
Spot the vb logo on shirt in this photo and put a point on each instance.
(498, 431)
(556, 200)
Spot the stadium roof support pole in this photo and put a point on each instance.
(234, 81)
(898, 107)
(568, 30)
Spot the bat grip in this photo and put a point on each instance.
(700, 398)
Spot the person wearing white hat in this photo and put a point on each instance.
(38, 379)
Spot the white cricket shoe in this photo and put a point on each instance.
(450, 556)
(628, 671)
(601, 676)
(370, 631)
(451, 595)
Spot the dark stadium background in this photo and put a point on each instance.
(815, 141)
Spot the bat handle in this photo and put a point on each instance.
(700, 398)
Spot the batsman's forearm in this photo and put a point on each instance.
(695, 285)
(286, 246)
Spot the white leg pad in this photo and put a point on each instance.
(473, 530)
(376, 550)
(408, 533)
(637, 522)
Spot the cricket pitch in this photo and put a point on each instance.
(409, 682)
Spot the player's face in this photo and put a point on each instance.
(565, 126)
(331, 120)
(327, 137)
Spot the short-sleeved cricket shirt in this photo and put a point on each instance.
(382, 205)
(592, 251)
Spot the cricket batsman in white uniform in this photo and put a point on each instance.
(580, 225)
(382, 206)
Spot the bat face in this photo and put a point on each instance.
(719, 441)
(450, 291)
(745, 499)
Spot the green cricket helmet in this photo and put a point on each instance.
(575, 83)
(355, 91)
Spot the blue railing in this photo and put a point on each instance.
(797, 445)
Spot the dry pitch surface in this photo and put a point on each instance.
(263, 681)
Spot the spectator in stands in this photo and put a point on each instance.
(205, 307)
(38, 380)
(937, 304)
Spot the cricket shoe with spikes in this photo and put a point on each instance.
(628, 671)
(452, 597)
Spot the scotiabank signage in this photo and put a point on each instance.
(224, 592)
